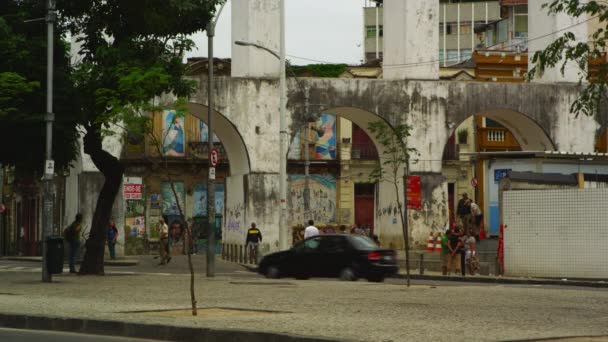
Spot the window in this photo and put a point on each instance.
(363, 243)
(371, 31)
(520, 21)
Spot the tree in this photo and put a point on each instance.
(131, 52)
(394, 158)
(566, 49)
(23, 48)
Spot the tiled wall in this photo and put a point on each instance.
(556, 233)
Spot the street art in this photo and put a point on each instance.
(173, 134)
(200, 199)
(205, 133)
(135, 226)
(322, 199)
(168, 198)
(325, 140)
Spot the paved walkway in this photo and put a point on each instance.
(351, 311)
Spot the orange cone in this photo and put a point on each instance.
(430, 246)
(438, 243)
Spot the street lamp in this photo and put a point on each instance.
(210, 271)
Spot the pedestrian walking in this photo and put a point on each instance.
(454, 245)
(71, 234)
(252, 242)
(112, 237)
(164, 242)
(445, 251)
(464, 212)
(311, 230)
(471, 260)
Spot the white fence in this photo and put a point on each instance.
(556, 233)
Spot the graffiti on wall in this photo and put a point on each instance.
(169, 202)
(322, 199)
(173, 134)
(200, 199)
(325, 140)
(235, 216)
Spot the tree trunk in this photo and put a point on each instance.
(113, 171)
(406, 233)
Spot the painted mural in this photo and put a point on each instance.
(168, 198)
(322, 199)
(325, 137)
(205, 133)
(135, 226)
(200, 199)
(173, 134)
(295, 149)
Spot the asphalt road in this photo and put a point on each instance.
(18, 335)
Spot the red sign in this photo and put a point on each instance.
(414, 193)
(474, 182)
(2, 208)
(133, 188)
(214, 157)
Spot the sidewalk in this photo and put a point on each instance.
(106, 262)
(257, 309)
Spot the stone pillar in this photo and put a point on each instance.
(541, 24)
(255, 21)
(411, 39)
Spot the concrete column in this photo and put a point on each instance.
(541, 24)
(411, 39)
(255, 21)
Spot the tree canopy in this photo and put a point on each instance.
(23, 49)
(589, 55)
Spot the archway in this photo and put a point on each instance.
(469, 160)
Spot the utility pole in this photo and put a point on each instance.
(49, 167)
(210, 270)
(306, 158)
(283, 229)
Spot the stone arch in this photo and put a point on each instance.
(230, 137)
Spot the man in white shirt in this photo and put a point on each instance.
(477, 216)
(163, 231)
(311, 230)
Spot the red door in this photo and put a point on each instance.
(364, 211)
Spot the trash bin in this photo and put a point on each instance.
(54, 254)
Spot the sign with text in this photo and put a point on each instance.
(133, 188)
(414, 193)
(500, 173)
(214, 158)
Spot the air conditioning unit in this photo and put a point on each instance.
(355, 154)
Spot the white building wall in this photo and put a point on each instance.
(411, 39)
(551, 27)
(556, 233)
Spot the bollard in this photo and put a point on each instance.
(245, 255)
(230, 253)
(421, 263)
(240, 259)
(233, 248)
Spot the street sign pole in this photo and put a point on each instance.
(47, 220)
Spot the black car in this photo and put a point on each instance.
(348, 257)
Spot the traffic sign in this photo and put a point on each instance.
(214, 157)
(474, 182)
(212, 173)
(2, 208)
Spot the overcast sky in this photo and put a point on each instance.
(324, 30)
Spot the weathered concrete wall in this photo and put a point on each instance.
(262, 207)
(537, 114)
(235, 224)
(411, 40)
(255, 21)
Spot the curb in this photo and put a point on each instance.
(148, 331)
(498, 280)
(125, 262)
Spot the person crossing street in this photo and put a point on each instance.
(252, 242)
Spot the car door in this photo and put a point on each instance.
(333, 256)
(306, 257)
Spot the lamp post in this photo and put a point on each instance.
(210, 269)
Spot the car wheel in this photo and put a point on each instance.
(376, 279)
(302, 277)
(348, 274)
(272, 272)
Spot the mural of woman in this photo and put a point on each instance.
(326, 137)
(173, 134)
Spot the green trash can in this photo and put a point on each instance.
(54, 254)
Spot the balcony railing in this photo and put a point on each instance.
(496, 138)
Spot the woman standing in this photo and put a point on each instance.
(112, 237)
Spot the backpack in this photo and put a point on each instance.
(69, 232)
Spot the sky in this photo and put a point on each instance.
(323, 30)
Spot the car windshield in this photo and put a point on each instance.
(363, 242)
